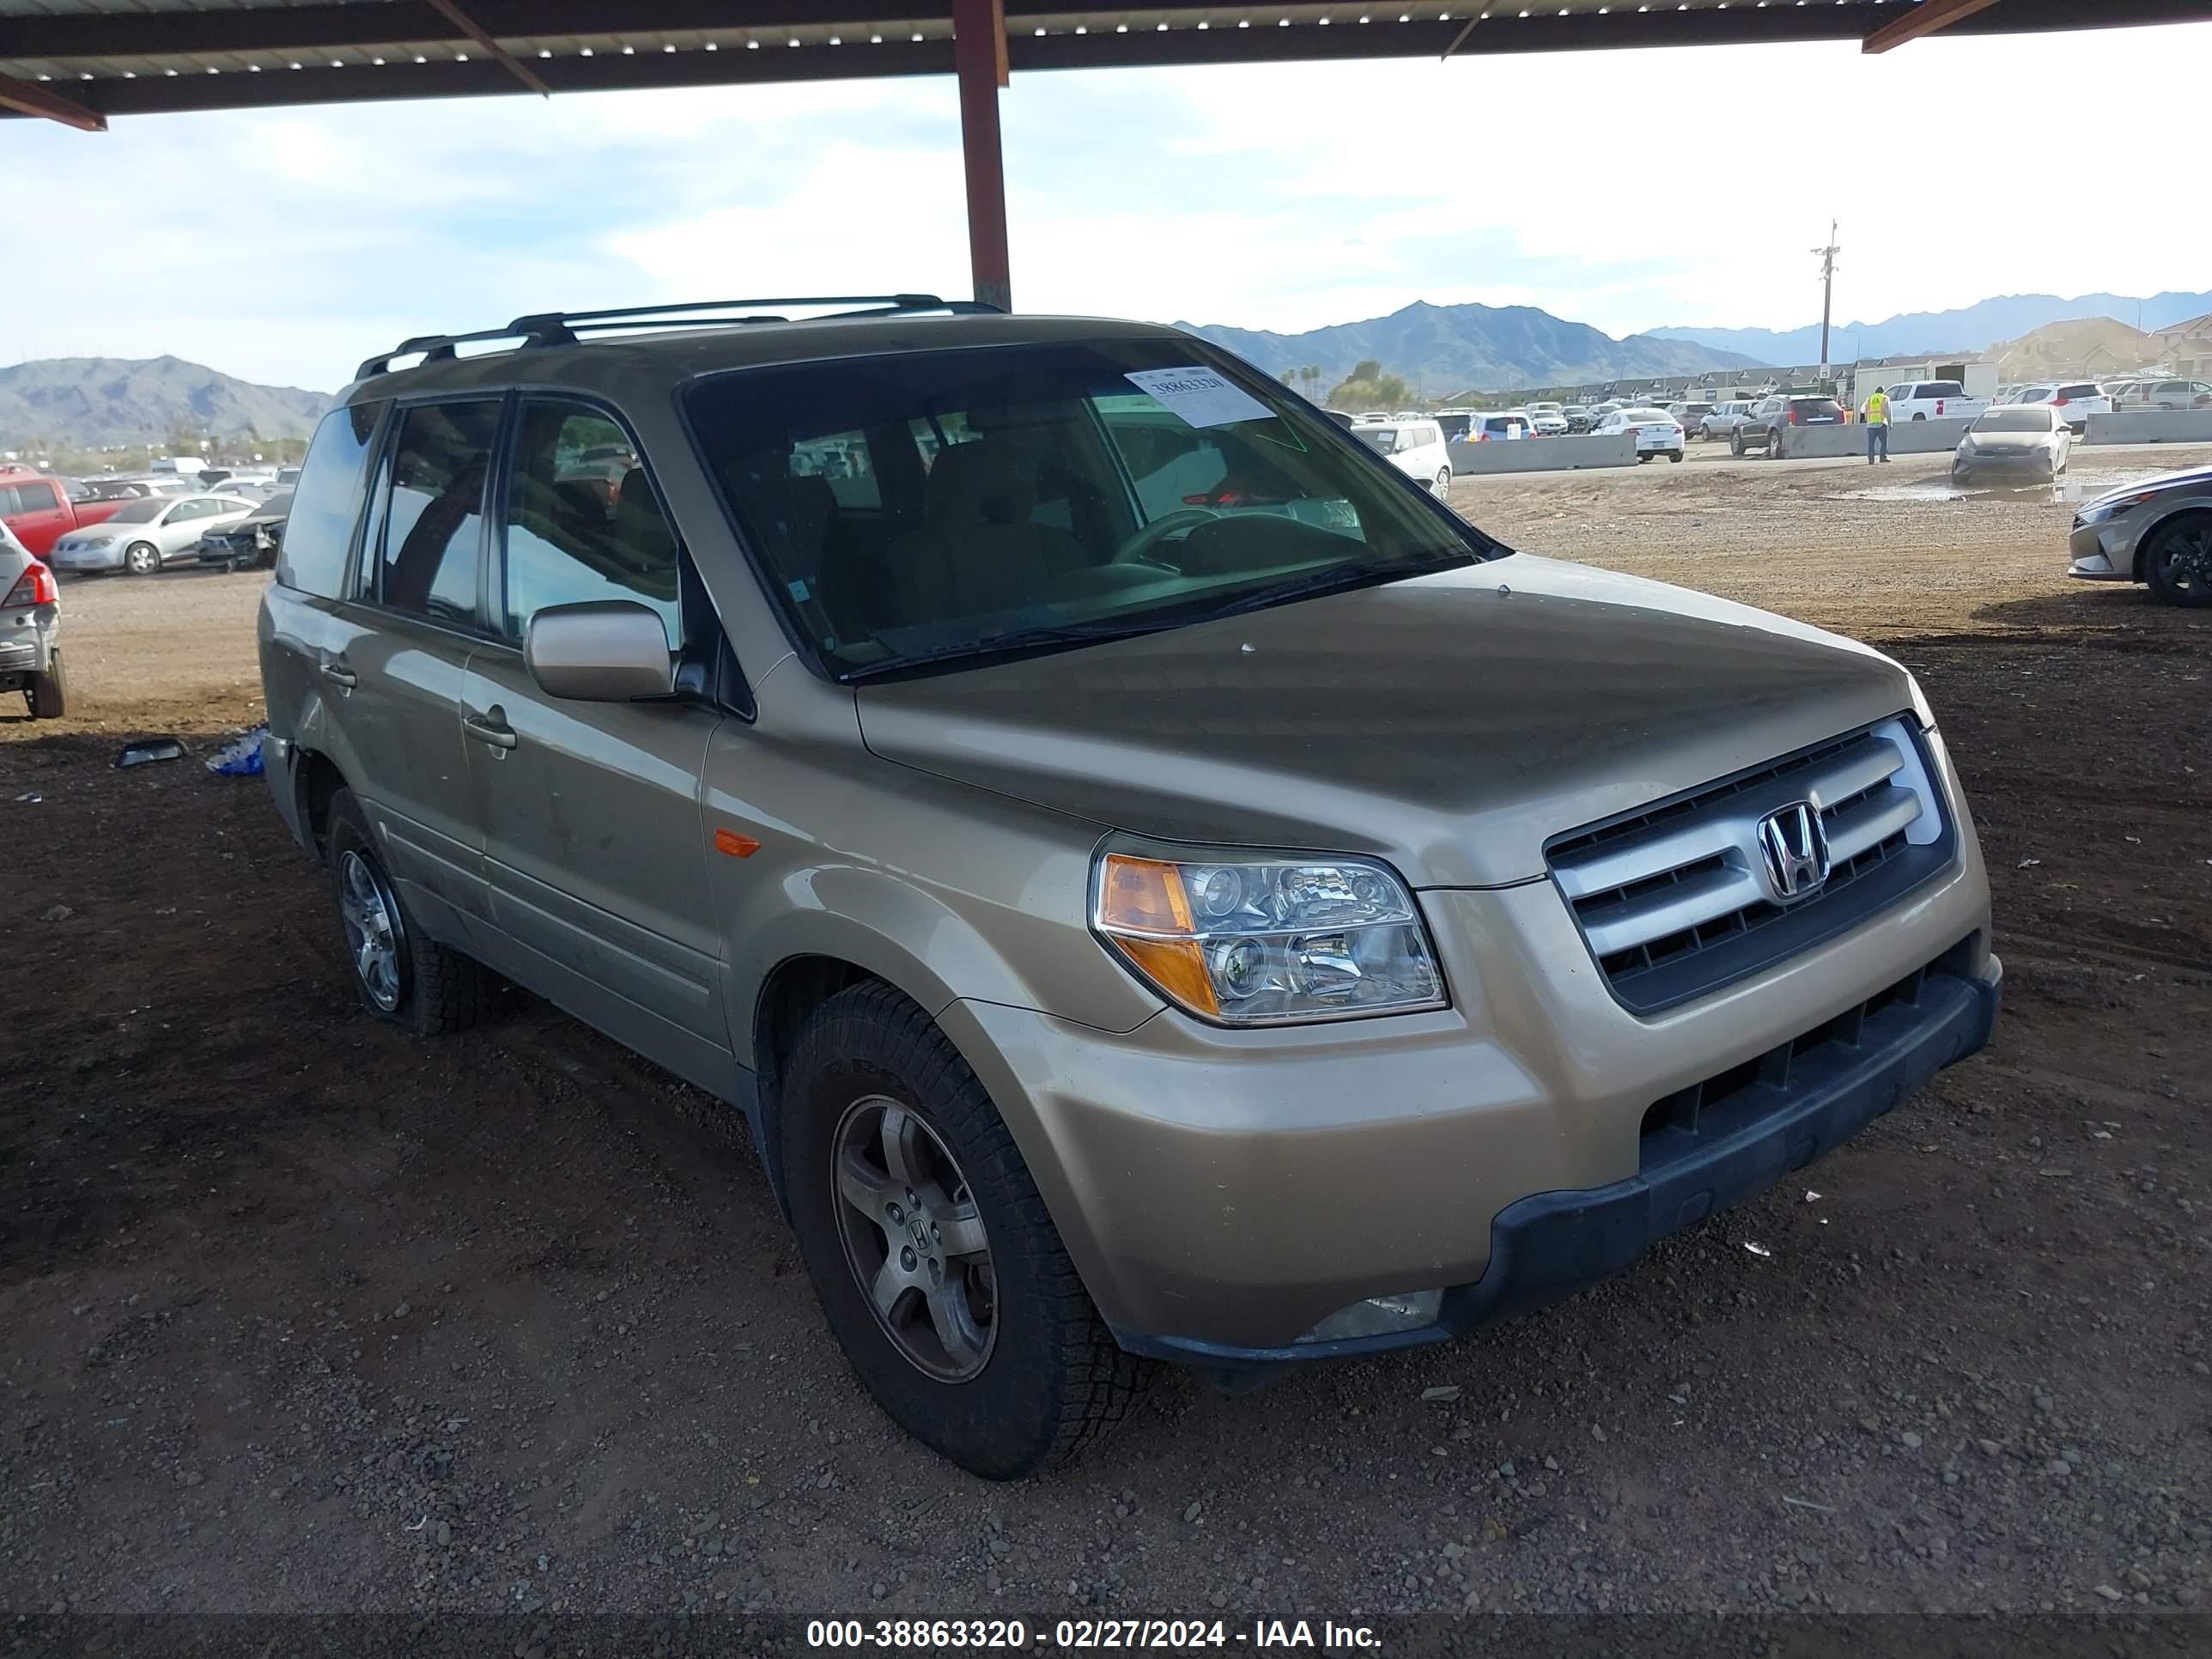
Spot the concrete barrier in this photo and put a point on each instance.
(1802, 443)
(2151, 426)
(1541, 454)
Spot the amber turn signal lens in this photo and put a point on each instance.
(1139, 900)
(1142, 896)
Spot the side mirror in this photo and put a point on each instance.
(602, 651)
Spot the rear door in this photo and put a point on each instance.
(396, 660)
(595, 850)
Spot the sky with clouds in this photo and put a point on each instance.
(1627, 190)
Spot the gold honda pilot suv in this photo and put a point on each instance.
(1155, 883)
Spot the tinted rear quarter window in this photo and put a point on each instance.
(326, 504)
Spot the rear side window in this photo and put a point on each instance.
(318, 536)
(429, 541)
(36, 497)
(582, 522)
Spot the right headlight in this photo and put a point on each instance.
(1251, 941)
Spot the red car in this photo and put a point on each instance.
(37, 507)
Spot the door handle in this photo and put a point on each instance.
(336, 674)
(490, 729)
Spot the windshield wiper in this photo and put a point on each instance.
(1337, 578)
(1342, 579)
(1025, 639)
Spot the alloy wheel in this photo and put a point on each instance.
(371, 915)
(914, 1239)
(2184, 557)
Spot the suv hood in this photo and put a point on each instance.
(1450, 724)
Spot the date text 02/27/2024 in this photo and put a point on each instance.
(1171, 1635)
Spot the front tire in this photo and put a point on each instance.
(1735, 444)
(142, 558)
(48, 693)
(2176, 560)
(939, 1270)
(400, 974)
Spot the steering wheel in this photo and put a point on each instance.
(1184, 520)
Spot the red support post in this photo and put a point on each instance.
(979, 57)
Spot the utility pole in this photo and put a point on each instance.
(1827, 258)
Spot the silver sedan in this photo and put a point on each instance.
(146, 534)
(2158, 530)
(2027, 441)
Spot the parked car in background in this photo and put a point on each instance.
(1933, 400)
(251, 542)
(1415, 447)
(1579, 419)
(145, 535)
(1656, 432)
(1499, 428)
(1549, 420)
(2034, 393)
(2156, 530)
(287, 476)
(2077, 400)
(1016, 913)
(42, 507)
(2021, 438)
(1722, 419)
(30, 629)
(2162, 394)
(1690, 415)
(1763, 428)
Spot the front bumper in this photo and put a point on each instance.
(1224, 1192)
(83, 560)
(2102, 552)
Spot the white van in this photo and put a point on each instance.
(1416, 449)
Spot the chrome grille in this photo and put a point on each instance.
(1677, 899)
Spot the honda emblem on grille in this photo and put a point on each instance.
(1797, 849)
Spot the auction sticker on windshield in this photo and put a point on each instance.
(1199, 396)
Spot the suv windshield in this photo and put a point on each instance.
(944, 505)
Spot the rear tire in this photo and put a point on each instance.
(2176, 560)
(48, 693)
(1675, 456)
(1032, 1375)
(400, 974)
(1443, 484)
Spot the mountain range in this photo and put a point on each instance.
(87, 402)
(1443, 349)
(1972, 328)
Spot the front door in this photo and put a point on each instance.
(594, 846)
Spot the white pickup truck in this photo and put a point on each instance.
(1933, 400)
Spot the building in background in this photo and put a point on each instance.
(2084, 349)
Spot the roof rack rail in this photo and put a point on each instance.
(547, 328)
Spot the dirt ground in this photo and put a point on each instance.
(303, 1314)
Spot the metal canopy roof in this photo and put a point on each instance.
(71, 59)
